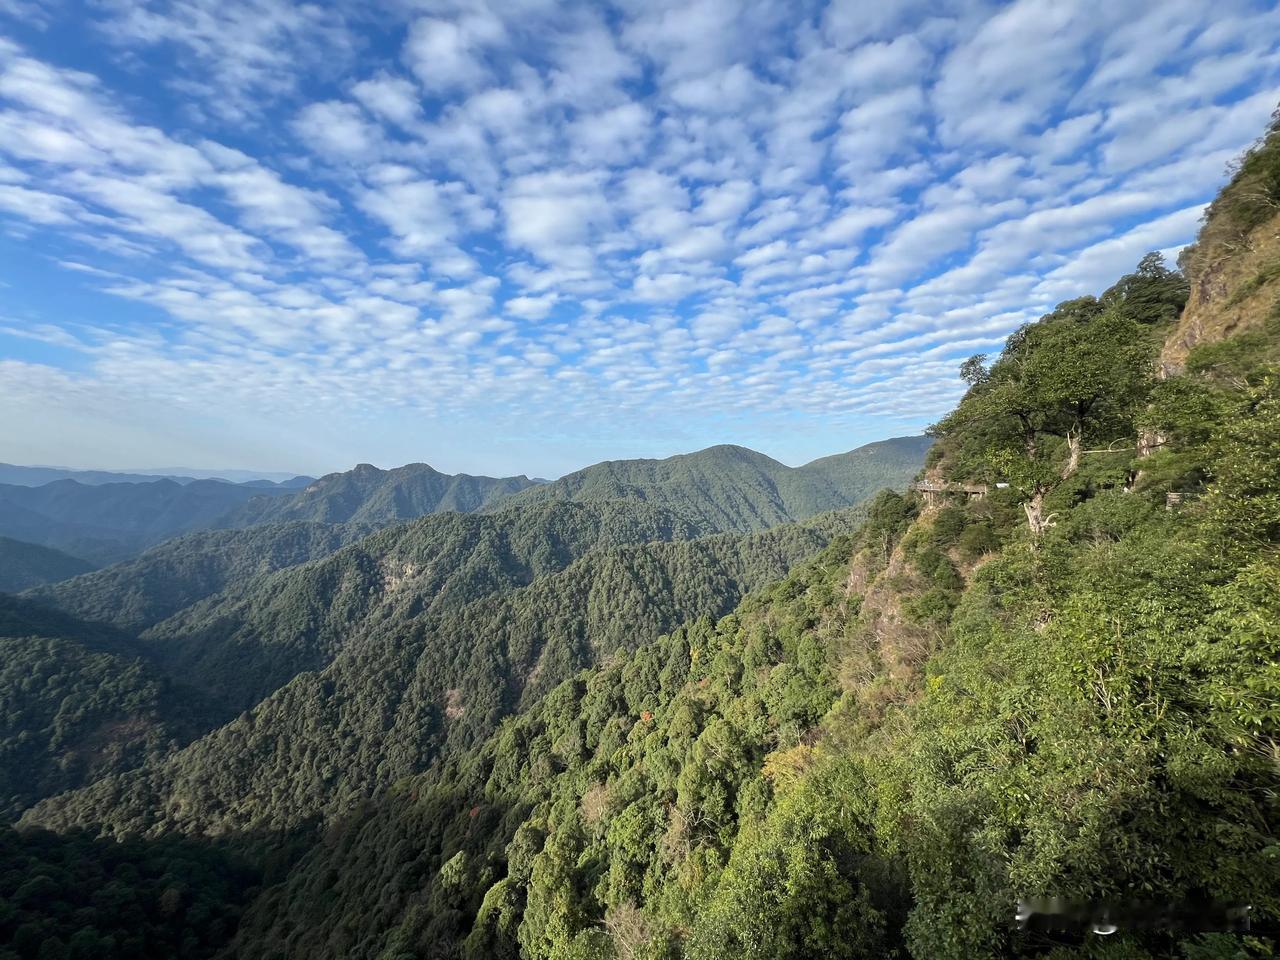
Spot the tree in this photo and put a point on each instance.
(1076, 375)
(1151, 294)
(974, 370)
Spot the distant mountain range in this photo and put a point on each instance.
(721, 489)
(483, 594)
(726, 488)
(107, 522)
(369, 495)
(39, 475)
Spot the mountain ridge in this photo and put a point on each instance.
(727, 487)
(107, 522)
(24, 565)
(35, 475)
(368, 494)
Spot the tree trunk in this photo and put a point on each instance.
(1074, 447)
(1148, 441)
(1036, 519)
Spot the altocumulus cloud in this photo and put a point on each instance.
(517, 235)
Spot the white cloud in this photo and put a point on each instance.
(553, 215)
(851, 223)
(447, 54)
(37, 206)
(612, 137)
(338, 131)
(670, 215)
(253, 48)
(531, 308)
(391, 97)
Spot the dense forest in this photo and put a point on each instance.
(1061, 683)
(139, 593)
(729, 488)
(642, 713)
(369, 495)
(430, 661)
(26, 565)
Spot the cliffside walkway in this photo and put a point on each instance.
(936, 490)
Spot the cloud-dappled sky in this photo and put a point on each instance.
(525, 236)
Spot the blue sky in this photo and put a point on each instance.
(525, 236)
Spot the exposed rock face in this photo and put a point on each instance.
(1233, 294)
(1234, 265)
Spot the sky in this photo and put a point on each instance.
(521, 237)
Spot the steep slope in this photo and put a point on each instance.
(25, 565)
(733, 489)
(108, 522)
(419, 678)
(139, 593)
(243, 645)
(871, 467)
(643, 712)
(967, 703)
(1234, 266)
(369, 495)
(79, 701)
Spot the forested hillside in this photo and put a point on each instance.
(590, 724)
(366, 494)
(78, 701)
(1064, 686)
(450, 626)
(26, 565)
(733, 489)
(139, 593)
(108, 522)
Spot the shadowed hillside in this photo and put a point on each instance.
(107, 522)
(26, 565)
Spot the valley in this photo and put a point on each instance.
(1004, 687)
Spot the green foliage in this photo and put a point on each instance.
(26, 565)
(795, 888)
(139, 593)
(71, 715)
(1243, 500)
(547, 732)
(439, 630)
(1152, 294)
(1081, 375)
(78, 702)
(367, 495)
(628, 784)
(732, 489)
(84, 899)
